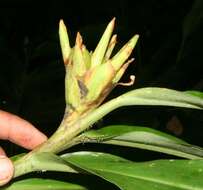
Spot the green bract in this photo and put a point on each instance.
(91, 76)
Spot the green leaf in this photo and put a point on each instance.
(153, 175)
(145, 96)
(195, 93)
(144, 138)
(161, 96)
(42, 184)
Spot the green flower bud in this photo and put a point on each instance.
(91, 76)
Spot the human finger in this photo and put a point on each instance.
(19, 131)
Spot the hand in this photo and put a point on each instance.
(20, 132)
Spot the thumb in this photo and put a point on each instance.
(6, 170)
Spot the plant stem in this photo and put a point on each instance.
(63, 138)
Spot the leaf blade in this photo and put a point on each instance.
(143, 138)
(162, 96)
(195, 93)
(42, 184)
(154, 175)
(145, 96)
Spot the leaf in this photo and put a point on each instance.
(153, 175)
(161, 96)
(42, 184)
(195, 93)
(145, 96)
(144, 138)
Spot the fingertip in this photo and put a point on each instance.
(6, 170)
(43, 137)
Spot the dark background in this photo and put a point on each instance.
(169, 54)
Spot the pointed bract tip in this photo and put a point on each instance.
(79, 40)
(61, 24)
(136, 37)
(112, 22)
(114, 19)
(61, 21)
(98, 54)
(113, 39)
(64, 41)
(132, 42)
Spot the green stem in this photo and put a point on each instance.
(64, 136)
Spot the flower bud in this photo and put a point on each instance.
(91, 76)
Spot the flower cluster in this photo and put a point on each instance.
(90, 76)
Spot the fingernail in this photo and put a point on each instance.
(6, 170)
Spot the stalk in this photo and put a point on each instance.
(65, 136)
(59, 141)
